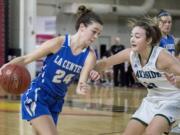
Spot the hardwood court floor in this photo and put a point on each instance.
(105, 111)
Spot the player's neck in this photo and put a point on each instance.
(145, 55)
(76, 44)
(165, 34)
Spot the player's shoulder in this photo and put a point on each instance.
(171, 35)
(163, 51)
(59, 39)
(91, 52)
(164, 55)
(57, 43)
(91, 55)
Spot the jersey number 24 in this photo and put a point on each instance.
(61, 76)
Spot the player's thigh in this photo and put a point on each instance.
(158, 125)
(44, 125)
(134, 127)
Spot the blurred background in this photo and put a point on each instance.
(25, 24)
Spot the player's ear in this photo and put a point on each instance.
(149, 41)
(81, 26)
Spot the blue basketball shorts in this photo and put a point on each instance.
(36, 102)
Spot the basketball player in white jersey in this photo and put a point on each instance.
(161, 107)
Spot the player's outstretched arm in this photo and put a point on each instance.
(50, 46)
(118, 58)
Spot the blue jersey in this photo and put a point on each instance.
(168, 43)
(60, 69)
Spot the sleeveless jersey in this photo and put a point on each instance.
(168, 43)
(153, 79)
(60, 69)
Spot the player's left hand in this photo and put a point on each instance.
(83, 88)
(94, 75)
(174, 80)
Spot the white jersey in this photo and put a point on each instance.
(153, 79)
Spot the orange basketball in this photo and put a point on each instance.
(15, 79)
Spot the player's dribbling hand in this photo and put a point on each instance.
(83, 88)
(2, 68)
(94, 75)
(174, 80)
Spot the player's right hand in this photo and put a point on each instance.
(83, 88)
(94, 75)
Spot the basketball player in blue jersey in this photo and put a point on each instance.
(68, 57)
(167, 41)
(160, 108)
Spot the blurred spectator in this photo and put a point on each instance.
(129, 78)
(107, 75)
(167, 41)
(118, 70)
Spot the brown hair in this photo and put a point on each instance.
(86, 16)
(177, 48)
(149, 25)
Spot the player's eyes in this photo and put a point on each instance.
(94, 32)
(163, 21)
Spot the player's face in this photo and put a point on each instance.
(165, 24)
(91, 33)
(138, 39)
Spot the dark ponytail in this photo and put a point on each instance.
(86, 16)
(156, 35)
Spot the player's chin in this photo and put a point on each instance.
(82, 93)
(167, 31)
(89, 43)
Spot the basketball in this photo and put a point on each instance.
(15, 79)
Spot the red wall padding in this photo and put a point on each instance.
(2, 33)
